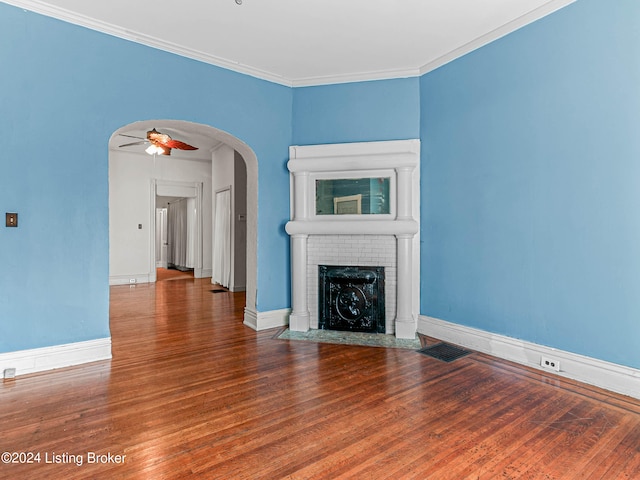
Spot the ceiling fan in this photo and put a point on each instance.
(160, 143)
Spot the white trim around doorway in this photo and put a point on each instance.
(172, 188)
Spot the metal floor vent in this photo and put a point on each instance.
(218, 291)
(444, 352)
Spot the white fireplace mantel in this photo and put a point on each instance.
(399, 160)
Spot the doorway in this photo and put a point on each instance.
(184, 226)
(175, 235)
(132, 209)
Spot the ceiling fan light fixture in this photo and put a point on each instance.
(159, 143)
(155, 150)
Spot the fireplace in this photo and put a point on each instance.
(355, 204)
(351, 298)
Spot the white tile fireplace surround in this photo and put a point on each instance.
(388, 238)
(353, 251)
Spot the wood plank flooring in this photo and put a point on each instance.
(193, 393)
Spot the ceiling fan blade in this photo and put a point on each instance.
(133, 143)
(179, 145)
(163, 140)
(130, 136)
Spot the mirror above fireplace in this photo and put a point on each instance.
(353, 196)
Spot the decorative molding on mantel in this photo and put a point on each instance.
(58, 356)
(349, 156)
(611, 376)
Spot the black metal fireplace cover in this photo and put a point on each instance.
(351, 298)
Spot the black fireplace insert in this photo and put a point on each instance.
(351, 298)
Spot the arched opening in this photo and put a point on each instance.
(134, 176)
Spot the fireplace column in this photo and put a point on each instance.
(300, 317)
(405, 322)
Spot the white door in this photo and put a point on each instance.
(161, 238)
(222, 239)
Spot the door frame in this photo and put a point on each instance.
(174, 188)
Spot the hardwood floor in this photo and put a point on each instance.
(164, 274)
(193, 393)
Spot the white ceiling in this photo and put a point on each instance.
(307, 42)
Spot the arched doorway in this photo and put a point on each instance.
(133, 175)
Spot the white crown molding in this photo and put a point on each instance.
(523, 20)
(108, 28)
(607, 375)
(355, 77)
(59, 356)
(536, 14)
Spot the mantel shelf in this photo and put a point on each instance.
(355, 227)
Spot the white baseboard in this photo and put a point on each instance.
(131, 279)
(202, 273)
(265, 320)
(607, 375)
(58, 356)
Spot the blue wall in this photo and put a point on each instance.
(63, 91)
(530, 170)
(357, 112)
(531, 184)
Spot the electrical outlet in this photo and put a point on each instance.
(550, 363)
(9, 373)
(132, 281)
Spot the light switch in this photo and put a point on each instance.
(12, 219)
